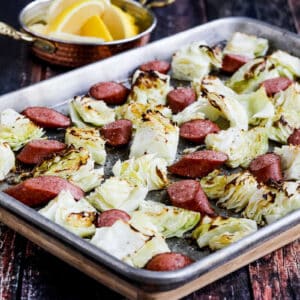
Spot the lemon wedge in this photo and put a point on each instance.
(120, 24)
(94, 27)
(71, 19)
(58, 6)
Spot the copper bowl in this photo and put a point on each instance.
(72, 53)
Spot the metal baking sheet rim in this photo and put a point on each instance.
(43, 94)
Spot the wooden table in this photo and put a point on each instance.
(28, 272)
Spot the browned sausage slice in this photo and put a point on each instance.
(183, 192)
(160, 66)
(46, 117)
(294, 138)
(180, 98)
(169, 261)
(276, 85)
(40, 190)
(232, 62)
(117, 133)
(196, 130)
(266, 167)
(198, 164)
(109, 217)
(188, 194)
(109, 92)
(37, 150)
(202, 204)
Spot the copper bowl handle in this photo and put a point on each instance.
(7, 30)
(42, 44)
(155, 4)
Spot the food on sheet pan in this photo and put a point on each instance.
(88, 138)
(109, 92)
(217, 233)
(196, 130)
(294, 138)
(266, 167)
(40, 190)
(189, 194)
(127, 146)
(232, 62)
(46, 117)
(109, 217)
(198, 164)
(168, 262)
(160, 66)
(36, 151)
(275, 85)
(117, 133)
(178, 99)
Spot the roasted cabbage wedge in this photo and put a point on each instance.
(258, 106)
(194, 111)
(246, 45)
(92, 112)
(241, 192)
(232, 191)
(217, 233)
(17, 130)
(76, 216)
(75, 165)
(148, 170)
(7, 160)
(117, 193)
(128, 244)
(225, 101)
(249, 76)
(88, 138)
(155, 135)
(241, 146)
(195, 61)
(135, 111)
(287, 200)
(149, 87)
(287, 114)
(287, 64)
(290, 161)
(169, 221)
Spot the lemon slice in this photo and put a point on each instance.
(75, 16)
(94, 27)
(120, 24)
(58, 6)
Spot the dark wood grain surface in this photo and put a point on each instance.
(27, 272)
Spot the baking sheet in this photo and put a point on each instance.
(55, 91)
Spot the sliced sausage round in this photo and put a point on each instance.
(160, 66)
(168, 261)
(110, 92)
(183, 192)
(188, 194)
(276, 85)
(266, 167)
(40, 190)
(198, 164)
(37, 150)
(46, 117)
(117, 133)
(180, 98)
(109, 217)
(232, 62)
(294, 138)
(196, 130)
